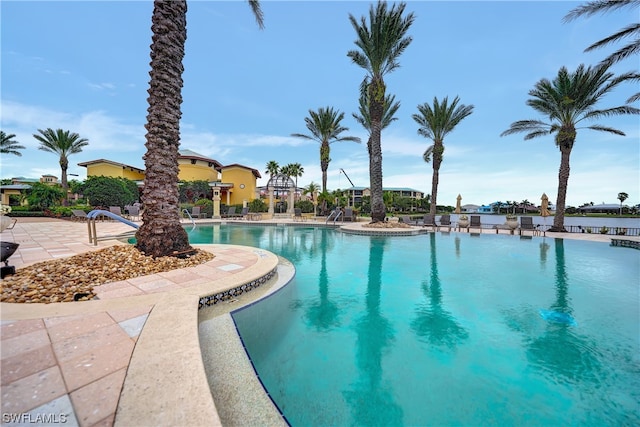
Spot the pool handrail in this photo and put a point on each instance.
(337, 212)
(186, 211)
(91, 221)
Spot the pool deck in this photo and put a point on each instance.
(131, 357)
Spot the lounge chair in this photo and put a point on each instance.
(445, 221)
(407, 220)
(78, 215)
(348, 215)
(429, 221)
(134, 212)
(297, 214)
(244, 214)
(196, 212)
(526, 223)
(475, 223)
(116, 210)
(231, 212)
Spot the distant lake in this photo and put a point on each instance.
(584, 221)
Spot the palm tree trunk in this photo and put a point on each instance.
(64, 166)
(161, 233)
(438, 149)
(376, 111)
(434, 187)
(563, 181)
(324, 163)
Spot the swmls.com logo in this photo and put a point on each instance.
(25, 418)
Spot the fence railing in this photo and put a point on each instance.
(613, 231)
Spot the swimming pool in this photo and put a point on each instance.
(445, 329)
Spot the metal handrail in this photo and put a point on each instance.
(337, 212)
(186, 211)
(91, 223)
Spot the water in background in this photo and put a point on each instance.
(584, 221)
(446, 329)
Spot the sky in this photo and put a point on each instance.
(83, 66)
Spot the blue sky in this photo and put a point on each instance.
(83, 66)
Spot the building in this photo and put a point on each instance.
(235, 183)
(355, 194)
(607, 208)
(20, 184)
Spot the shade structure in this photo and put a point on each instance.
(544, 208)
(458, 199)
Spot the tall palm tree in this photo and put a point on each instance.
(63, 143)
(272, 168)
(8, 145)
(567, 101)
(380, 43)
(161, 233)
(325, 128)
(435, 123)
(632, 31)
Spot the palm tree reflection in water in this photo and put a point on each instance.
(371, 399)
(323, 313)
(560, 351)
(433, 324)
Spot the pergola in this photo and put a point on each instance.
(281, 186)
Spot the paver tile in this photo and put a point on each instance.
(98, 400)
(32, 391)
(80, 326)
(76, 346)
(95, 364)
(20, 327)
(25, 364)
(25, 343)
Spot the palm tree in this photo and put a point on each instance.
(390, 109)
(63, 143)
(295, 170)
(272, 168)
(8, 145)
(161, 233)
(435, 123)
(622, 197)
(380, 43)
(630, 32)
(325, 128)
(566, 101)
(311, 189)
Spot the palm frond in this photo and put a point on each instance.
(257, 12)
(593, 7)
(606, 129)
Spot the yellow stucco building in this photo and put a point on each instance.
(235, 183)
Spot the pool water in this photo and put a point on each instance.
(445, 329)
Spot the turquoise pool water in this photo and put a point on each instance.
(445, 329)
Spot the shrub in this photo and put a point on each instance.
(191, 191)
(206, 206)
(43, 196)
(107, 191)
(306, 206)
(258, 205)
